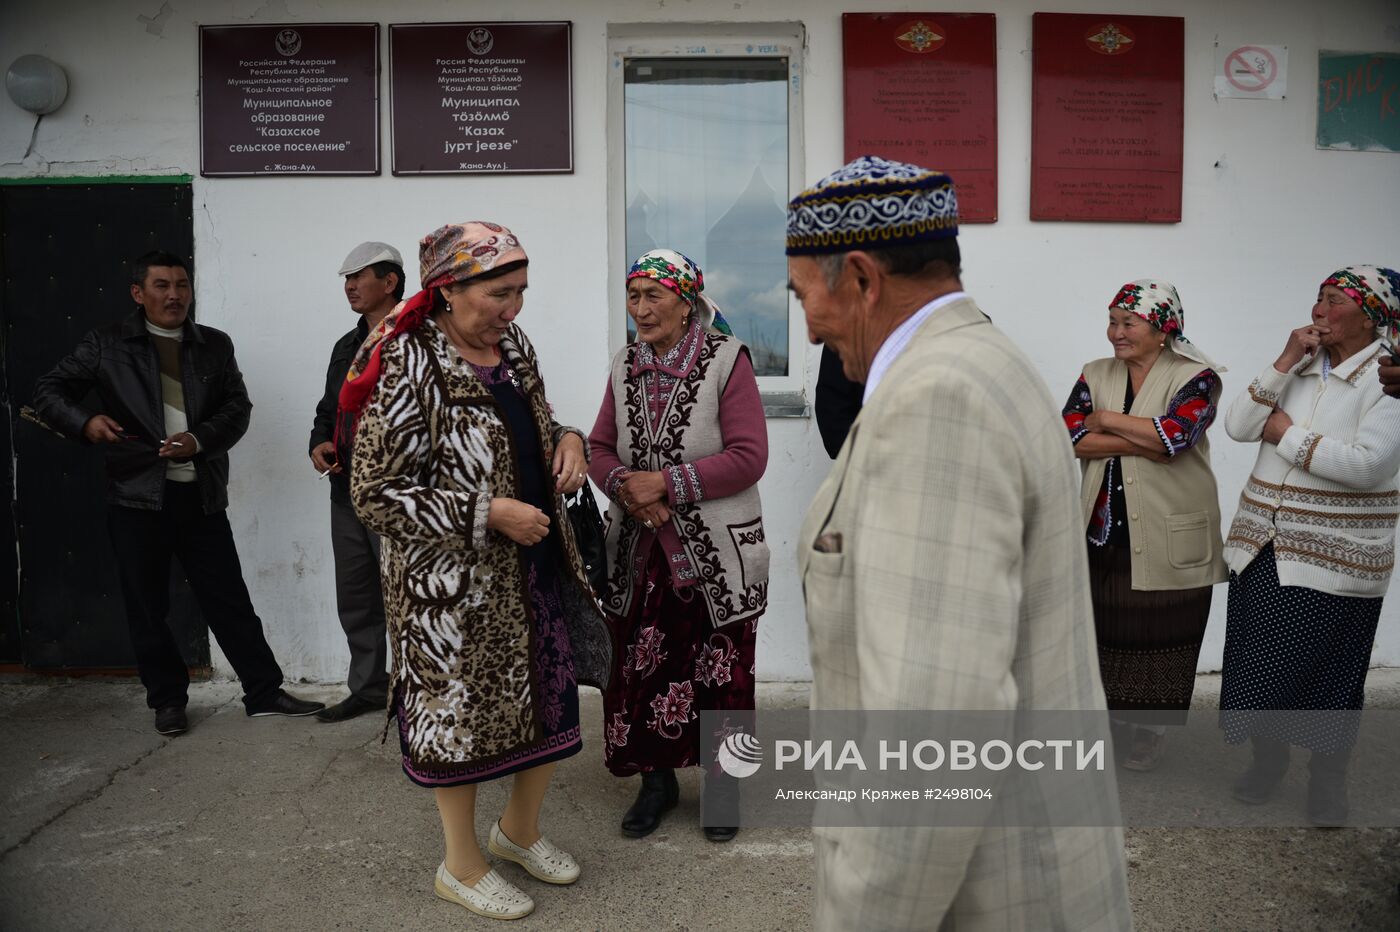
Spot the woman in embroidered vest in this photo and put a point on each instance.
(1313, 542)
(679, 446)
(459, 465)
(1138, 421)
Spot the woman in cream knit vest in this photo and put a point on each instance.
(1313, 542)
(1138, 422)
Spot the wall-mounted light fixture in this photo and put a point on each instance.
(37, 84)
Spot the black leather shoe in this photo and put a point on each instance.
(284, 703)
(1257, 784)
(1327, 790)
(659, 794)
(170, 720)
(349, 707)
(719, 803)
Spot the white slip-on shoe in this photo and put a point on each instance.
(543, 860)
(493, 896)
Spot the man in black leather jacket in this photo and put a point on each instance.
(374, 283)
(170, 402)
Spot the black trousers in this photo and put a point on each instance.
(144, 542)
(360, 603)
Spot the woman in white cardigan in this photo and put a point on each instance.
(1313, 542)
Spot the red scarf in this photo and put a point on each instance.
(367, 366)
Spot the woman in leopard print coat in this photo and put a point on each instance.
(460, 466)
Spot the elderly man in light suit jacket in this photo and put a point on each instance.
(941, 560)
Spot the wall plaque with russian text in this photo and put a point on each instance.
(921, 88)
(297, 99)
(1106, 117)
(473, 98)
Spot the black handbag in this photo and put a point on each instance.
(588, 535)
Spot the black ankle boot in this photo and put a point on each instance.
(659, 794)
(1327, 789)
(720, 808)
(1258, 783)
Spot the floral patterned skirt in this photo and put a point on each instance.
(671, 664)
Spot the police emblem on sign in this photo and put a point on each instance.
(288, 42)
(480, 41)
(1110, 39)
(918, 36)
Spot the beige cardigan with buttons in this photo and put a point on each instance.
(1173, 507)
(1325, 495)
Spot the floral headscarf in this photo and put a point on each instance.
(682, 276)
(1376, 289)
(456, 252)
(1157, 302)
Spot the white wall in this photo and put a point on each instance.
(1265, 218)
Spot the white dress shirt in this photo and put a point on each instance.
(896, 342)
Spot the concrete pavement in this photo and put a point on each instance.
(290, 824)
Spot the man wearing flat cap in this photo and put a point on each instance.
(940, 563)
(374, 283)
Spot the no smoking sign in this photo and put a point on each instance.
(1254, 71)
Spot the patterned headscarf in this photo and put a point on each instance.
(1376, 289)
(1157, 302)
(872, 203)
(682, 276)
(453, 253)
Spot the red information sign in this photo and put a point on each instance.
(921, 88)
(1106, 117)
(298, 99)
(472, 98)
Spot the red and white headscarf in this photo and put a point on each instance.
(1157, 302)
(1376, 289)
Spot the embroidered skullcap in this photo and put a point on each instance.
(681, 275)
(872, 203)
(1376, 289)
(459, 251)
(1157, 302)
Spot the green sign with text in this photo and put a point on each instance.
(1358, 101)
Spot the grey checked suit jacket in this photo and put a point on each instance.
(962, 583)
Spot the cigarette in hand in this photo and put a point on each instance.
(175, 443)
(323, 475)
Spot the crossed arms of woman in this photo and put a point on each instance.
(1106, 434)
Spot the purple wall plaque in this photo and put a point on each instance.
(294, 99)
(474, 98)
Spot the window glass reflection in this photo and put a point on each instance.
(707, 175)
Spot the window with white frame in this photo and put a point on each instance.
(704, 133)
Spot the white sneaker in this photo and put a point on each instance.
(543, 860)
(493, 896)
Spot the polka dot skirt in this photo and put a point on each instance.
(1294, 648)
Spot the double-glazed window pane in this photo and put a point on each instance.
(707, 175)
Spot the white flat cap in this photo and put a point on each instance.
(367, 254)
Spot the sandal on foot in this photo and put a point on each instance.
(492, 896)
(542, 859)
